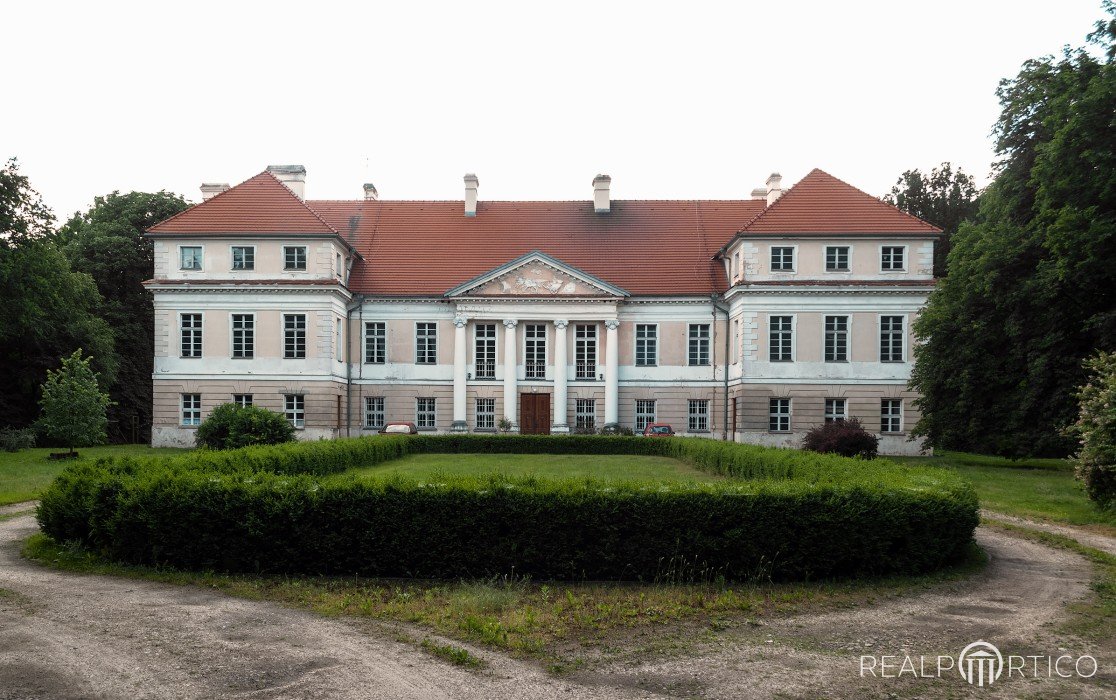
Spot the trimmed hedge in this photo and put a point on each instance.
(287, 508)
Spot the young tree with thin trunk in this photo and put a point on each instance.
(73, 404)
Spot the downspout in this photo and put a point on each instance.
(728, 358)
(357, 303)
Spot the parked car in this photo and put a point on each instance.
(399, 427)
(658, 430)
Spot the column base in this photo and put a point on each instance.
(459, 426)
(560, 429)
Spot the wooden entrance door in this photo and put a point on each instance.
(534, 414)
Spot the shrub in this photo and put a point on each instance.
(616, 429)
(16, 439)
(230, 426)
(847, 438)
(1096, 427)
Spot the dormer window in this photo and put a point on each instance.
(294, 257)
(190, 257)
(243, 257)
(782, 259)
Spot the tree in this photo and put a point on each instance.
(1096, 427)
(944, 197)
(47, 308)
(1031, 289)
(73, 404)
(107, 243)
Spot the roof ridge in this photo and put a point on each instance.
(774, 204)
(300, 200)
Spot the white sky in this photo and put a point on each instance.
(674, 100)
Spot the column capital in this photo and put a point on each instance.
(561, 323)
(511, 322)
(612, 324)
(460, 321)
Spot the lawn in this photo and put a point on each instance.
(1042, 489)
(611, 467)
(25, 473)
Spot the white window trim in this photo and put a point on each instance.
(879, 335)
(523, 351)
(283, 253)
(182, 409)
(794, 338)
(472, 350)
(364, 418)
(177, 334)
(191, 269)
(654, 413)
(708, 416)
(790, 415)
(364, 341)
(844, 405)
(437, 344)
(906, 258)
(658, 342)
(283, 333)
(794, 259)
(477, 414)
(902, 416)
(294, 422)
(825, 257)
(711, 350)
(255, 335)
(597, 343)
(434, 412)
(848, 338)
(232, 260)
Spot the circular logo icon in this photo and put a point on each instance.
(980, 663)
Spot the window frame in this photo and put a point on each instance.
(429, 413)
(848, 259)
(485, 420)
(232, 258)
(232, 336)
(424, 359)
(195, 410)
(893, 270)
(201, 258)
(708, 345)
(889, 416)
(200, 330)
(580, 345)
(830, 412)
(650, 345)
(490, 346)
(305, 334)
(305, 258)
(697, 421)
(382, 338)
(902, 338)
(793, 333)
(532, 372)
(242, 400)
(776, 416)
(368, 424)
(294, 410)
(771, 259)
(845, 334)
(643, 414)
(582, 418)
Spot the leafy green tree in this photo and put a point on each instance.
(107, 243)
(73, 404)
(1096, 427)
(47, 307)
(943, 197)
(1031, 289)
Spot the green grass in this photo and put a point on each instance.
(453, 654)
(24, 474)
(1040, 489)
(610, 467)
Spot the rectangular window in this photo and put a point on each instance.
(486, 414)
(837, 258)
(243, 335)
(426, 344)
(891, 338)
(644, 413)
(735, 340)
(294, 408)
(242, 399)
(339, 338)
(191, 335)
(781, 340)
(426, 413)
(190, 257)
(647, 345)
(835, 410)
(585, 413)
(484, 354)
(891, 415)
(779, 415)
(375, 342)
(294, 257)
(836, 338)
(698, 353)
(374, 412)
(534, 351)
(782, 259)
(191, 409)
(698, 419)
(585, 351)
(294, 336)
(243, 257)
(893, 258)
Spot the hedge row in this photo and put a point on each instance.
(272, 510)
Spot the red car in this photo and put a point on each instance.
(658, 430)
(399, 427)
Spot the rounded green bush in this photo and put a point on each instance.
(231, 426)
(782, 514)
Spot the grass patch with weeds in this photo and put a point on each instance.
(15, 514)
(456, 655)
(555, 622)
(1093, 619)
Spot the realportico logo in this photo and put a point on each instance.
(980, 664)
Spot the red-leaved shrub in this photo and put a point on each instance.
(847, 438)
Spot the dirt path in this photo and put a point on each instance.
(65, 635)
(1090, 538)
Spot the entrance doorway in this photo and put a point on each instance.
(534, 414)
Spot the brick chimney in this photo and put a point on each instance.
(293, 176)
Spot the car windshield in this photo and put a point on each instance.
(661, 429)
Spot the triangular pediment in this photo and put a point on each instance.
(536, 274)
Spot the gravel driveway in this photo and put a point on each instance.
(65, 635)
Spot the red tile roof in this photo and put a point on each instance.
(262, 204)
(822, 204)
(644, 247)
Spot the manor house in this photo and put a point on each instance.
(749, 320)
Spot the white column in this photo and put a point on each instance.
(561, 404)
(612, 378)
(511, 407)
(460, 344)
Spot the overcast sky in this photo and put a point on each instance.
(674, 100)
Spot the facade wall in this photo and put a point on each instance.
(809, 256)
(321, 258)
